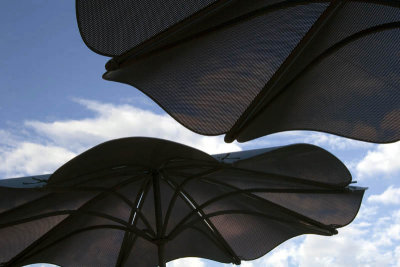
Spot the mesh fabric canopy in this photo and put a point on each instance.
(143, 202)
(252, 68)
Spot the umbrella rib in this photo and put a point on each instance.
(158, 217)
(25, 204)
(94, 189)
(132, 221)
(63, 212)
(238, 191)
(13, 262)
(27, 250)
(315, 229)
(195, 162)
(323, 55)
(282, 70)
(243, 18)
(249, 192)
(96, 172)
(281, 177)
(133, 240)
(37, 199)
(342, 43)
(174, 28)
(72, 212)
(174, 197)
(207, 235)
(195, 207)
(190, 166)
(122, 197)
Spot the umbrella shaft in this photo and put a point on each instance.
(161, 262)
(158, 215)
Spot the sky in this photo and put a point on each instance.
(54, 105)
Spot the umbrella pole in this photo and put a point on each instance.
(161, 262)
(157, 203)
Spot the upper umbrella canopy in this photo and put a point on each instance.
(144, 201)
(252, 68)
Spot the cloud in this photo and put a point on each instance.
(192, 262)
(116, 121)
(54, 143)
(328, 141)
(30, 158)
(369, 241)
(384, 160)
(390, 196)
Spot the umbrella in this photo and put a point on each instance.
(144, 202)
(252, 68)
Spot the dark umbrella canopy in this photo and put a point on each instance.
(252, 68)
(144, 202)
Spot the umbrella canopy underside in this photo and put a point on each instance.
(108, 207)
(252, 68)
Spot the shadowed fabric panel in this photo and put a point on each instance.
(113, 27)
(143, 254)
(65, 232)
(346, 81)
(196, 241)
(14, 197)
(179, 209)
(206, 83)
(59, 201)
(263, 235)
(23, 235)
(98, 247)
(300, 161)
(342, 95)
(326, 208)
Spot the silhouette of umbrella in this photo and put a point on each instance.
(252, 68)
(144, 201)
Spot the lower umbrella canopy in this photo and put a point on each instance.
(145, 201)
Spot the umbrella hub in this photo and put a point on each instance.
(161, 241)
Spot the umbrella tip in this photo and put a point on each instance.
(111, 65)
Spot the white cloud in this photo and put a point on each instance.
(59, 141)
(30, 158)
(367, 242)
(112, 121)
(390, 196)
(317, 138)
(185, 262)
(334, 142)
(384, 160)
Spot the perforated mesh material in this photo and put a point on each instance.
(113, 27)
(346, 82)
(16, 238)
(263, 235)
(17, 197)
(252, 69)
(208, 82)
(316, 164)
(196, 241)
(217, 211)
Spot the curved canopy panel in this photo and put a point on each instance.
(252, 68)
(113, 27)
(115, 210)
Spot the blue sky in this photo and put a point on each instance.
(54, 105)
